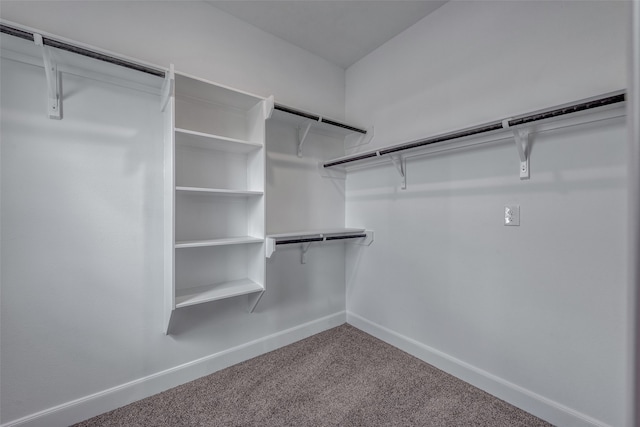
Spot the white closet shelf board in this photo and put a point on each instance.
(191, 138)
(218, 192)
(316, 233)
(218, 242)
(316, 126)
(26, 51)
(196, 88)
(192, 296)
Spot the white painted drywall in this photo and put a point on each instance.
(81, 222)
(471, 62)
(538, 309)
(200, 40)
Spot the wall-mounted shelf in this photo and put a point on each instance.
(218, 242)
(517, 128)
(218, 192)
(214, 142)
(214, 193)
(202, 294)
(306, 237)
(306, 122)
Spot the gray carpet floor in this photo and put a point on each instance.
(340, 377)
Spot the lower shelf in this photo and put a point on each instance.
(191, 296)
(218, 242)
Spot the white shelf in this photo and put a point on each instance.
(317, 236)
(320, 127)
(316, 233)
(190, 138)
(208, 91)
(218, 242)
(192, 296)
(218, 191)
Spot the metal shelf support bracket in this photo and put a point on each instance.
(302, 135)
(401, 165)
(304, 247)
(254, 299)
(167, 88)
(54, 100)
(522, 144)
(521, 137)
(268, 106)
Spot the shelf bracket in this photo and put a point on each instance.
(54, 103)
(401, 165)
(357, 139)
(521, 137)
(522, 144)
(365, 241)
(302, 135)
(304, 247)
(254, 299)
(268, 106)
(167, 88)
(270, 246)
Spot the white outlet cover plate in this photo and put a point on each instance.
(512, 215)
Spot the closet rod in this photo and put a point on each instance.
(490, 127)
(351, 236)
(47, 41)
(320, 239)
(316, 118)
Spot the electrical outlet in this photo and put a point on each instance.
(512, 215)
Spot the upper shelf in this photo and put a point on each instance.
(214, 142)
(197, 88)
(585, 106)
(297, 118)
(315, 233)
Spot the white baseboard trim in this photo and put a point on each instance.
(107, 400)
(540, 406)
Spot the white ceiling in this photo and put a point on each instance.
(340, 31)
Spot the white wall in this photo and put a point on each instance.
(536, 313)
(478, 61)
(82, 216)
(199, 39)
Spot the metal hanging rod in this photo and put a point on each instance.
(486, 128)
(317, 118)
(47, 41)
(306, 240)
(320, 239)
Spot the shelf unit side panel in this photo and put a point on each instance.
(256, 123)
(256, 170)
(256, 178)
(169, 212)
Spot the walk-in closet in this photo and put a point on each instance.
(319, 213)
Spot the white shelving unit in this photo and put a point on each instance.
(214, 193)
